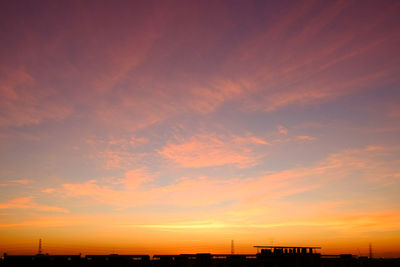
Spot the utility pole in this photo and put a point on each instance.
(40, 246)
(370, 250)
(232, 247)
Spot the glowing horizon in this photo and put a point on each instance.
(176, 127)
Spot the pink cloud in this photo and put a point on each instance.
(137, 188)
(305, 138)
(293, 72)
(116, 153)
(18, 182)
(114, 159)
(262, 201)
(22, 103)
(135, 178)
(22, 181)
(49, 190)
(273, 67)
(212, 150)
(303, 76)
(282, 129)
(28, 203)
(206, 100)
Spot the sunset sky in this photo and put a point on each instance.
(178, 126)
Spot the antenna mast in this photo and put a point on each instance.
(370, 250)
(40, 246)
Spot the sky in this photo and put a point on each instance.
(178, 126)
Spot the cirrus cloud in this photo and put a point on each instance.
(28, 203)
(206, 150)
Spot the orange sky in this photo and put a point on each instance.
(176, 127)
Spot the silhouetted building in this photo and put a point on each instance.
(117, 260)
(42, 260)
(269, 256)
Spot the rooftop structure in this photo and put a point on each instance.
(286, 249)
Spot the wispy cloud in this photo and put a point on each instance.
(21, 181)
(282, 129)
(28, 203)
(206, 100)
(116, 153)
(274, 67)
(305, 138)
(21, 104)
(378, 221)
(138, 188)
(212, 150)
(289, 73)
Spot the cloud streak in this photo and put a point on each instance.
(27, 203)
(137, 188)
(212, 150)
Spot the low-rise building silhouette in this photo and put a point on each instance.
(266, 256)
